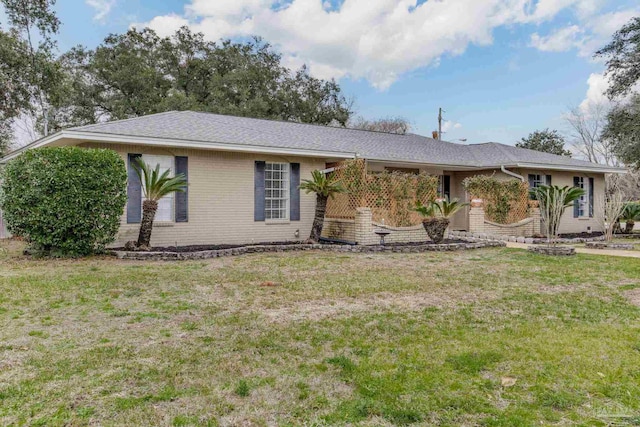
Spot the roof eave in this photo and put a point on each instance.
(571, 168)
(168, 142)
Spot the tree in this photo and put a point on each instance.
(324, 187)
(587, 125)
(64, 200)
(610, 209)
(553, 201)
(623, 59)
(154, 186)
(623, 129)
(32, 75)
(139, 73)
(548, 141)
(398, 125)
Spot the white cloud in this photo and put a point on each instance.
(376, 40)
(102, 8)
(164, 25)
(594, 32)
(597, 86)
(558, 41)
(449, 125)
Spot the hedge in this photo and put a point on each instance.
(64, 200)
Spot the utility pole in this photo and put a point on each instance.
(440, 111)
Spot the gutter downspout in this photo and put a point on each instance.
(513, 174)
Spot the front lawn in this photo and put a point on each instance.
(495, 337)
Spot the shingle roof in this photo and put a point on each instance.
(216, 128)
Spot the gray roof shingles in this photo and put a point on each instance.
(216, 128)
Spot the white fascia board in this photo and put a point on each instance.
(166, 142)
(419, 163)
(594, 168)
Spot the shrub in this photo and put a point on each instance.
(64, 200)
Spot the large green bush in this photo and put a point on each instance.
(64, 200)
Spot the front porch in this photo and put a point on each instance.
(382, 196)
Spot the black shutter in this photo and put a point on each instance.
(294, 192)
(548, 180)
(590, 197)
(182, 198)
(258, 192)
(446, 186)
(576, 203)
(532, 179)
(134, 191)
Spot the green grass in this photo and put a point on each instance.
(345, 339)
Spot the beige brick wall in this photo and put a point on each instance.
(337, 228)
(221, 200)
(569, 224)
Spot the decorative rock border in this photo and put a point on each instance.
(606, 245)
(553, 250)
(527, 240)
(168, 256)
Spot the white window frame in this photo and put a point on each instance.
(539, 179)
(583, 201)
(269, 198)
(168, 201)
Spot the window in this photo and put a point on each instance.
(444, 186)
(276, 188)
(165, 205)
(583, 202)
(538, 180)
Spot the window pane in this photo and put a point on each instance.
(276, 190)
(165, 205)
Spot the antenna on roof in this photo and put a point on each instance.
(440, 111)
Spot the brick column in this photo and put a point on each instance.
(537, 219)
(476, 216)
(364, 227)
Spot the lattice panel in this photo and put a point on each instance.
(518, 206)
(391, 196)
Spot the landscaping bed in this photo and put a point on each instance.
(449, 245)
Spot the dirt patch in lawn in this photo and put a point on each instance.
(322, 309)
(633, 296)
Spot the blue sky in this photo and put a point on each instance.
(499, 68)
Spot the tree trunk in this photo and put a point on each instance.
(435, 228)
(628, 227)
(149, 208)
(318, 220)
(617, 229)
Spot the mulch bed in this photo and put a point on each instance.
(198, 248)
(580, 235)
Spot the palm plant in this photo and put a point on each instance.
(553, 201)
(630, 215)
(436, 216)
(154, 186)
(324, 187)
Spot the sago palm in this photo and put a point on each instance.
(630, 215)
(324, 187)
(436, 216)
(155, 186)
(449, 207)
(553, 201)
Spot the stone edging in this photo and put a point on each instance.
(606, 245)
(553, 250)
(166, 256)
(527, 240)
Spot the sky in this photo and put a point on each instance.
(500, 69)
